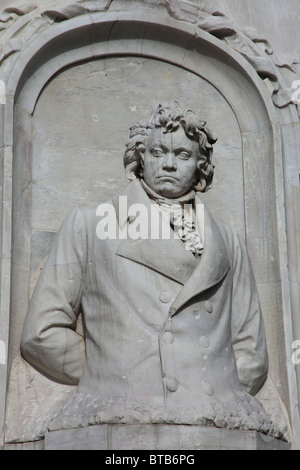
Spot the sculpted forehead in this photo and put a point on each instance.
(171, 140)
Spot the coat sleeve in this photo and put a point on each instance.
(248, 334)
(49, 340)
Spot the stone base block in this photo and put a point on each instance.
(159, 437)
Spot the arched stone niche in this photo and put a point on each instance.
(74, 93)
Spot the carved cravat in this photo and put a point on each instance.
(182, 216)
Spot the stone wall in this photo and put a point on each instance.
(77, 76)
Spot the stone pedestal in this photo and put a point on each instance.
(159, 437)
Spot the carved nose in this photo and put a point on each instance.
(169, 163)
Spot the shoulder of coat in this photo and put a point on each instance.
(229, 234)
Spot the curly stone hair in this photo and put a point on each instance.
(169, 117)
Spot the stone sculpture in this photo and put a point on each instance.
(173, 331)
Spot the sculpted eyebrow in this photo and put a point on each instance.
(159, 147)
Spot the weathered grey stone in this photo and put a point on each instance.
(93, 160)
(159, 437)
(186, 366)
(265, 209)
(35, 445)
(27, 419)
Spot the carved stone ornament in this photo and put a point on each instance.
(34, 17)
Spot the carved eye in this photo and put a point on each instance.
(183, 155)
(158, 153)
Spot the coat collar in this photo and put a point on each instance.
(166, 256)
(169, 256)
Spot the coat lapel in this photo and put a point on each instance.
(213, 266)
(166, 256)
(169, 256)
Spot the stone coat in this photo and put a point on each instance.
(167, 338)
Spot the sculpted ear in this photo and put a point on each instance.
(140, 151)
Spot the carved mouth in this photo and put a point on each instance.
(167, 179)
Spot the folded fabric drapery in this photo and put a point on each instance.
(182, 216)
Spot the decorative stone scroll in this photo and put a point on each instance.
(247, 41)
(34, 17)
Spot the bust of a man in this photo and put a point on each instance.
(173, 331)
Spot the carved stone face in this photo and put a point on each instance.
(170, 162)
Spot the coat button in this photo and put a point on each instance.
(166, 297)
(209, 306)
(208, 388)
(172, 385)
(204, 341)
(168, 337)
(197, 314)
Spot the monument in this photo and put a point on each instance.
(152, 253)
(173, 332)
